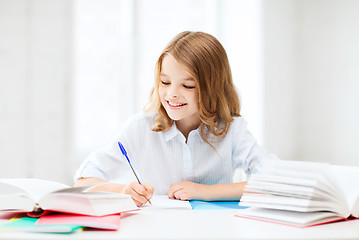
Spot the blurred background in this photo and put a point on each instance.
(72, 71)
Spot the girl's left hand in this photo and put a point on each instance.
(187, 191)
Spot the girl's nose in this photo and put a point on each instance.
(173, 92)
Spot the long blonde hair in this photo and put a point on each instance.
(206, 61)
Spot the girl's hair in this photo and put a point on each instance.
(205, 59)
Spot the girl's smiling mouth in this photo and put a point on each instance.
(175, 105)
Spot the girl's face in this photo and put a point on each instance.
(178, 94)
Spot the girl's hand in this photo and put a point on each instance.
(139, 193)
(187, 191)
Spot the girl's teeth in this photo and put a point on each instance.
(176, 104)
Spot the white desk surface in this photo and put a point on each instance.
(201, 224)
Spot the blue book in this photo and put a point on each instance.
(28, 224)
(197, 204)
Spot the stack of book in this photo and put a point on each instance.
(302, 193)
(37, 205)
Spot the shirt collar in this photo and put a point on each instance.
(173, 132)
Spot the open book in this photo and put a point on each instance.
(35, 196)
(302, 193)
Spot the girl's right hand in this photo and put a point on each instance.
(140, 193)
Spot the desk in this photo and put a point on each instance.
(201, 224)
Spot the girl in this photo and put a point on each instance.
(191, 138)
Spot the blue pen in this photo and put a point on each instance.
(123, 150)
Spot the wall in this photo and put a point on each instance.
(327, 78)
(279, 83)
(56, 58)
(35, 49)
(311, 80)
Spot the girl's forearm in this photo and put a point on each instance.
(230, 191)
(104, 185)
(88, 181)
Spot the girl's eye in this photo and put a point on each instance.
(165, 83)
(189, 87)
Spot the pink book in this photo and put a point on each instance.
(108, 222)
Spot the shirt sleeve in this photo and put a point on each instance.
(108, 163)
(247, 153)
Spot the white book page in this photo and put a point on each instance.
(291, 204)
(288, 217)
(163, 202)
(321, 173)
(347, 177)
(35, 188)
(300, 173)
(284, 190)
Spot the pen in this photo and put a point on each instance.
(123, 150)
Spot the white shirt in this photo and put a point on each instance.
(164, 158)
